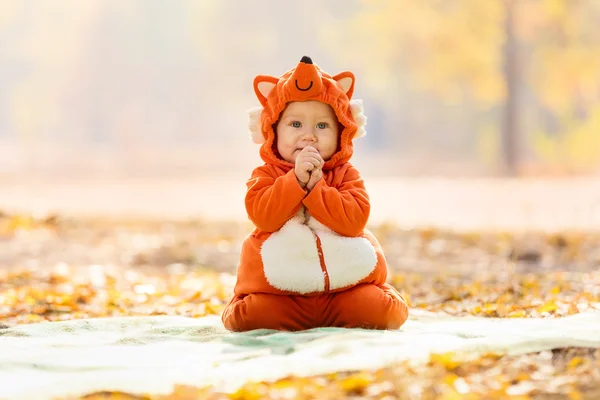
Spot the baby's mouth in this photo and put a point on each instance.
(302, 148)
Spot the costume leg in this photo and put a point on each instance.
(269, 311)
(366, 306)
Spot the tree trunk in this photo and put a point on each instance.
(510, 122)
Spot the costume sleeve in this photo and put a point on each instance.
(271, 200)
(344, 209)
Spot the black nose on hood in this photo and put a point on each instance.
(306, 60)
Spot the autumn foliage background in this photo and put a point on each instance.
(124, 152)
(111, 86)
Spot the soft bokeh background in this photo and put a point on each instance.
(484, 115)
(150, 93)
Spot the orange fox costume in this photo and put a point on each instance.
(310, 262)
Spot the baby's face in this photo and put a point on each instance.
(307, 123)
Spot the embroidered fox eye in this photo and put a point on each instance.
(296, 124)
(322, 125)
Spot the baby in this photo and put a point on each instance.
(310, 262)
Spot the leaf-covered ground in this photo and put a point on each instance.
(56, 268)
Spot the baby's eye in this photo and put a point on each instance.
(322, 125)
(296, 124)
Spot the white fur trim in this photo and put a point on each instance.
(291, 260)
(255, 126)
(348, 259)
(315, 225)
(359, 117)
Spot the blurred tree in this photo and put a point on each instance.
(512, 79)
(495, 59)
(438, 60)
(564, 60)
(506, 82)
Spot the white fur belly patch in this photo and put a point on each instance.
(348, 259)
(291, 259)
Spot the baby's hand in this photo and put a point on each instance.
(308, 160)
(315, 177)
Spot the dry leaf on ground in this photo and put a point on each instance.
(58, 269)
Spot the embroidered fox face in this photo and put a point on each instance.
(306, 82)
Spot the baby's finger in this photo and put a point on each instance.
(318, 156)
(310, 149)
(307, 166)
(314, 161)
(308, 157)
(312, 153)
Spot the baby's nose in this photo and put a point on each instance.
(309, 135)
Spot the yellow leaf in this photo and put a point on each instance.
(447, 360)
(252, 391)
(523, 376)
(548, 307)
(356, 383)
(575, 394)
(517, 314)
(530, 282)
(450, 379)
(490, 308)
(575, 362)
(452, 395)
(19, 222)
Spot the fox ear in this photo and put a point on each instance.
(263, 84)
(346, 81)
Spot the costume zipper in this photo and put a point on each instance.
(322, 261)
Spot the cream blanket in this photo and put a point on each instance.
(151, 354)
